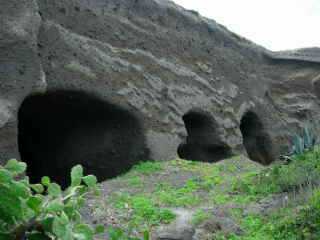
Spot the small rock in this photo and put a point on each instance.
(180, 229)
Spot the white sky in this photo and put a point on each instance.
(274, 24)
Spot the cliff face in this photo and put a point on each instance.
(304, 54)
(140, 79)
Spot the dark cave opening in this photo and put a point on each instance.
(203, 142)
(256, 140)
(60, 129)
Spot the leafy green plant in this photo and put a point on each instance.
(298, 145)
(43, 211)
(306, 224)
(305, 141)
(302, 223)
(144, 210)
(303, 171)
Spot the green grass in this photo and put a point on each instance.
(144, 201)
(297, 221)
(292, 223)
(151, 189)
(143, 211)
(199, 217)
(304, 170)
(135, 181)
(147, 168)
(185, 196)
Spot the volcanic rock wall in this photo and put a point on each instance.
(171, 81)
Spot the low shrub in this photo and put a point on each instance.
(43, 211)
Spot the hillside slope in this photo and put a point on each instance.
(107, 84)
(234, 199)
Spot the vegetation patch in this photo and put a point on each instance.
(291, 223)
(147, 168)
(199, 217)
(149, 195)
(303, 171)
(143, 211)
(150, 192)
(185, 196)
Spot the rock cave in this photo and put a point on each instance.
(159, 68)
(109, 83)
(256, 140)
(60, 129)
(202, 143)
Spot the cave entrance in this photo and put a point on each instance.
(60, 129)
(203, 142)
(256, 140)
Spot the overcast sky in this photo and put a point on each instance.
(274, 24)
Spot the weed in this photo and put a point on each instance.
(199, 217)
(135, 181)
(303, 171)
(147, 168)
(177, 197)
(143, 210)
(305, 141)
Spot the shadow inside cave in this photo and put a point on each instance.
(256, 140)
(60, 129)
(203, 143)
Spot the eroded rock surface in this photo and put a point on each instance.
(156, 61)
(180, 229)
(304, 54)
(184, 229)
